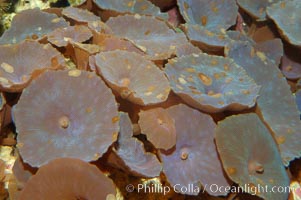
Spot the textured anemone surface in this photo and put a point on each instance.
(288, 24)
(65, 118)
(62, 36)
(256, 8)
(274, 93)
(151, 35)
(41, 23)
(143, 7)
(133, 77)
(159, 127)
(20, 63)
(250, 156)
(210, 14)
(68, 178)
(80, 15)
(211, 83)
(132, 153)
(194, 159)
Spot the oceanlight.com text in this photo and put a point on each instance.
(211, 188)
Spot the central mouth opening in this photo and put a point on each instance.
(64, 122)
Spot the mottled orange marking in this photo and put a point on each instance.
(280, 139)
(204, 20)
(144, 7)
(214, 62)
(231, 170)
(209, 33)
(7, 67)
(74, 73)
(190, 70)
(221, 103)
(226, 67)
(206, 80)
(160, 121)
(193, 91)
(54, 62)
(186, 6)
(252, 52)
(55, 20)
(96, 156)
(147, 32)
(246, 92)
(160, 96)
(214, 9)
(282, 5)
(217, 76)
(151, 88)
(288, 68)
(115, 119)
(130, 4)
(20, 145)
(34, 36)
(125, 82)
(115, 136)
(88, 110)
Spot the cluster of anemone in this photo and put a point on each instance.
(192, 93)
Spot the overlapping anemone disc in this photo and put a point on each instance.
(61, 37)
(82, 53)
(256, 8)
(73, 116)
(250, 156)
(187, 49)
(239, 36)
(31, 23)
(194, 159)
(274, 98)
(142, 7)
(273, 49)
(210, 14)
(133, 77)
(131, 151)
(108, 42)
(20, 63)
(298, 100)
(159, 127)
(290, 65)
(151, 35)
(209, 41)
(211, 83)
(99, 27)
(22, 172)
(68, 178)
(286, 15)
(80, 15)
